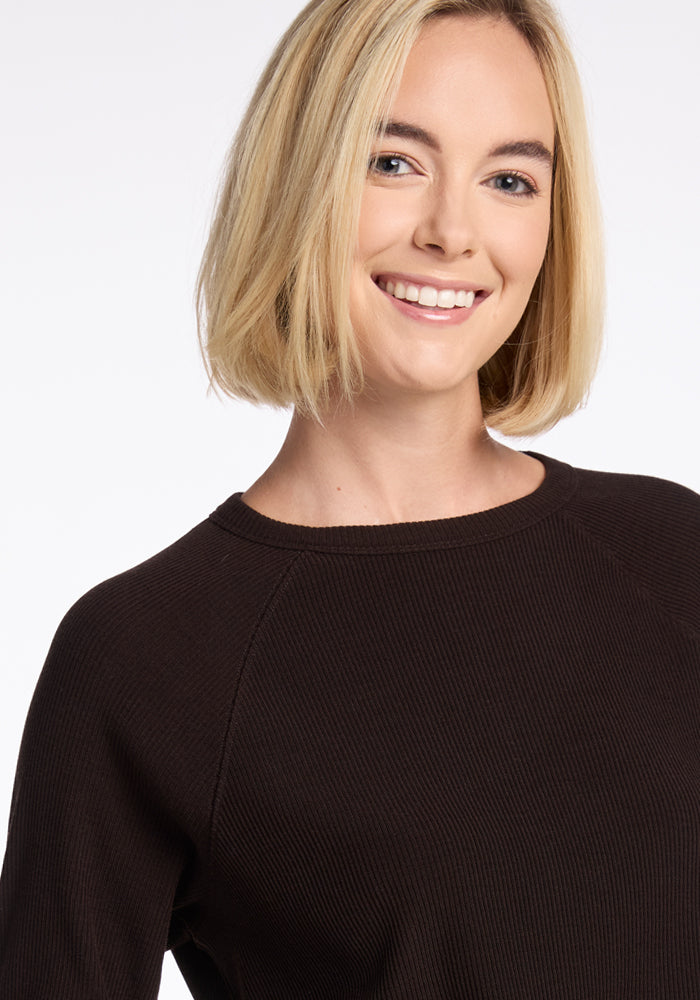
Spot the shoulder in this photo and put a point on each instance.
(209, 580)
(650, 527)
(149, 660)
(642, 507)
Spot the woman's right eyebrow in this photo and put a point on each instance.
(403, 130)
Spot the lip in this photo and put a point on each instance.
(428, 314)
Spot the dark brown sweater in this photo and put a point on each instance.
(447, 760)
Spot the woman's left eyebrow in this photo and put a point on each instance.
(531, 148)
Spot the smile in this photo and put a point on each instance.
(428, 295)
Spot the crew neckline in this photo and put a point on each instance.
(235, 516)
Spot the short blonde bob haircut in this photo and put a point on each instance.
(273, 289)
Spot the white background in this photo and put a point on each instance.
(115, 121)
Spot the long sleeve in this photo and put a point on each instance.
(107, 861)
(90, 874)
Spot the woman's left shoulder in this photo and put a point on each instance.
(638, 504)
(627, 504)
(649, 528)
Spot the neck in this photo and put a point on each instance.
(379, 462)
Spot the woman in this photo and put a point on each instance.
(416, 715)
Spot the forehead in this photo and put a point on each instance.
(477, 75)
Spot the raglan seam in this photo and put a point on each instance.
(277, 589)
(640, 586)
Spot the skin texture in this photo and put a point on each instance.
(451, 209)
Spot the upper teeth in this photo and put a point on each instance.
(426, 295)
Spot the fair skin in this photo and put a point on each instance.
(456, 204)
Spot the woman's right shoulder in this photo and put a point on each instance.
(181, 621)
(146, 666)
(208, 581)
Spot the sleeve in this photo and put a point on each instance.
(94, 849)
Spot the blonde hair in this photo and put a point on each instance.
(273, 288)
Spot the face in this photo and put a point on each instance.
(455, 212)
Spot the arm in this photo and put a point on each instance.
(94, 853)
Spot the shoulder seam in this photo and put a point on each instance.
(641, 587)
(276, 591)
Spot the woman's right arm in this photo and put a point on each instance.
(95, 848)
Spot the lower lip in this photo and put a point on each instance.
(427, 314)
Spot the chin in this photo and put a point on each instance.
(428, 381)
(424, 371)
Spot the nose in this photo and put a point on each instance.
(448, 224)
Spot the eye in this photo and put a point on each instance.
(390, 165)
(515, 184)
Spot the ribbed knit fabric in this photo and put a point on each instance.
(445, 760)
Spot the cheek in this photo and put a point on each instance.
(385, 219)
(523, 247)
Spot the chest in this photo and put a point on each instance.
(513, 768)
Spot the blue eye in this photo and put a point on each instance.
(389, 166)
(514, 184)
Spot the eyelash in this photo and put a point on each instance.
(374, 160)
(530, 188)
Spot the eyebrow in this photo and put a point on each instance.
(533, 149)
(402, 130)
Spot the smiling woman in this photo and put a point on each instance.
(415, 716)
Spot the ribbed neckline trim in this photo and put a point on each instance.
(468, 529)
